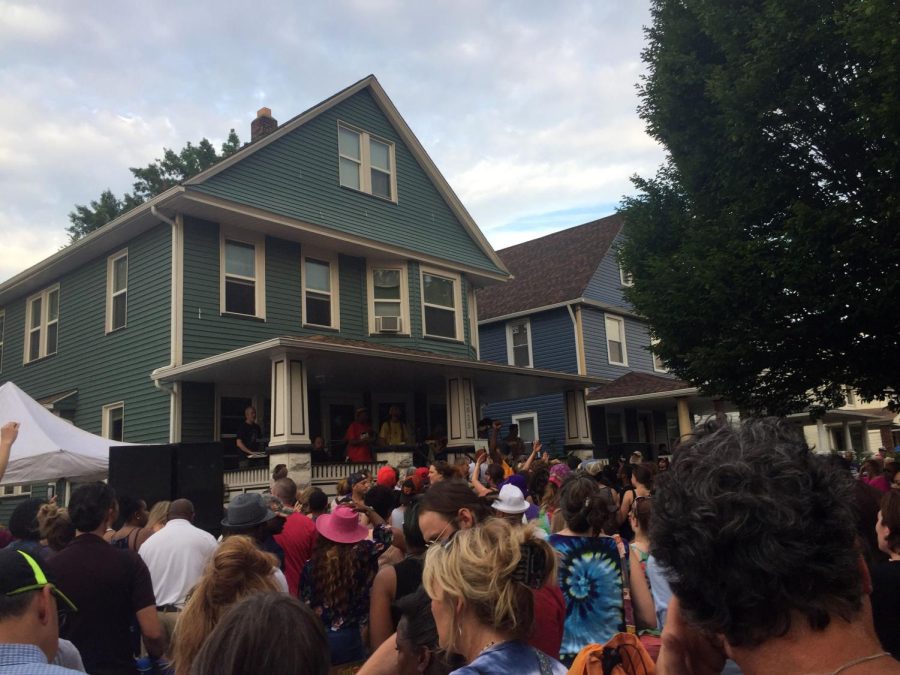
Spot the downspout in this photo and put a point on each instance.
(173, 388)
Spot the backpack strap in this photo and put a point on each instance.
(626, 585)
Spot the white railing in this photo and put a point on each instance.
(246, 480)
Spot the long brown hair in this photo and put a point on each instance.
(334, 570)
(237, 569)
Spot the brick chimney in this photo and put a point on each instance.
(263, 125)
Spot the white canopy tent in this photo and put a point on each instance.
(48, 447)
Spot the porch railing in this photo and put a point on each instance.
(255, 479)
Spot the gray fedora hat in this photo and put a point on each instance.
(247, 510)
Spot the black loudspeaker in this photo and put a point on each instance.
(165, 472)
(198, 476)
(142, 471)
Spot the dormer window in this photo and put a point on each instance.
(366, 163)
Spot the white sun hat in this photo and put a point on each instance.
(511, 500)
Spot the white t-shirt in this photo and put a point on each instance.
(176, 557)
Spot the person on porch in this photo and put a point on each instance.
(249, 433)
(393, 431)
(359, 438)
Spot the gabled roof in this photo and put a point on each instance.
(550, 270)
(494, 265)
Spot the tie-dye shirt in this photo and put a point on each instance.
(591, 580)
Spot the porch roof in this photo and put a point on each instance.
(653, 392)
(346, 365)
(876, 417)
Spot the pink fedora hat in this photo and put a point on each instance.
(342, 526)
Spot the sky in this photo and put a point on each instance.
(528, 108)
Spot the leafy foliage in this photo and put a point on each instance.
(151, 180)
(766, 252)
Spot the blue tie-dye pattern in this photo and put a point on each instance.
(590, 577)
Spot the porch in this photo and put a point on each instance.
(306, 390)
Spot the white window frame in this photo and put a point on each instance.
(334, 293)
(510, 351)
(43, 327)
(457, 302)
(2, 335)
(258, 242)
(624, 277)
(403, 268)
(111, 294)
(521, 416)
(658, 366)
(606, 319)
(107, 418)
(365, 162)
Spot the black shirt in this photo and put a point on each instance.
(249, 435)
(886, 604)
(108, 585)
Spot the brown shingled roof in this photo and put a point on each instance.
(636, 384)
(551, 269)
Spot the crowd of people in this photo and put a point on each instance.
(748, 552)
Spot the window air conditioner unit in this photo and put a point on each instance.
(388, 324)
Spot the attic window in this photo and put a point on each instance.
(366, 163)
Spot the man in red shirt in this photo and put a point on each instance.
(298, 536)
(359, 437)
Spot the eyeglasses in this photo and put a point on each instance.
(439, 539)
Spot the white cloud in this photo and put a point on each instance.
(30, 23)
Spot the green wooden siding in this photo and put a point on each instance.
(297, 176)
(208, 332)
(105, 368)
(9, 504)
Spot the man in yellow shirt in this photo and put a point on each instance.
(393, 431)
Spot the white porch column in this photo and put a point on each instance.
(290, 409)
(848, 439)
(685, 428)
(289, 443)
(578, 431)
(867, 447)
(461, 429)
(822, 432)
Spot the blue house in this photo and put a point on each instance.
(565, 310)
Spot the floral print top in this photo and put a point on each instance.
(367, 552)
(592, 583)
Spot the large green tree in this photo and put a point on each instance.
(151, 180)
(766, 251)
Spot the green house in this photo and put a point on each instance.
(327, 265)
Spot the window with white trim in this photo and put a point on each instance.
(2, 333)
(114, 421)
(615, 341)
(625, 277)
(42, 324)
(441, 304)
(658, 364)
(528, 426)
(319, 278)
(518, 343)
(243, 279)
(366, 163)
(388, 296)
(116, 291)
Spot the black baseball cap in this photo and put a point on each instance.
(20, 573)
